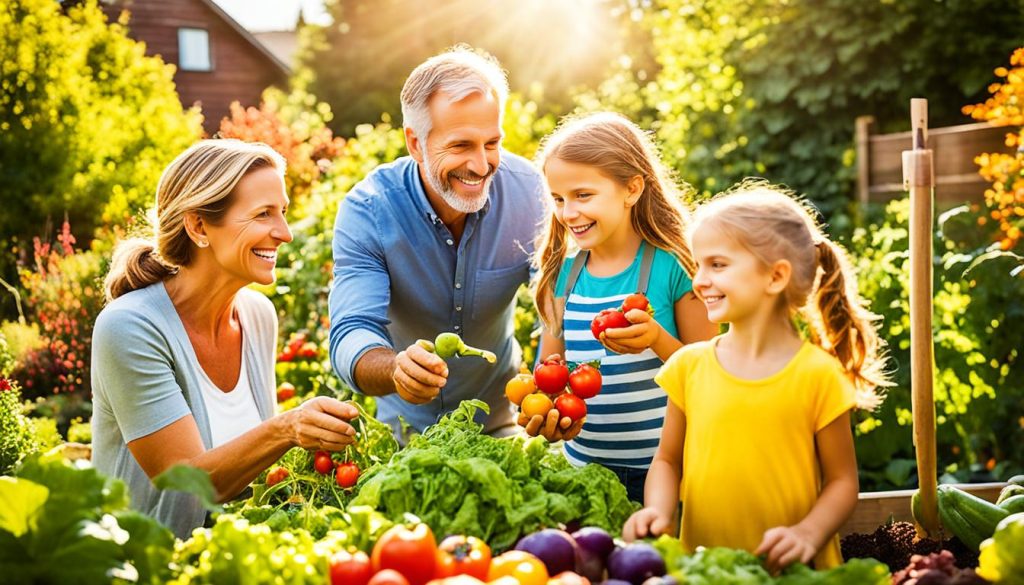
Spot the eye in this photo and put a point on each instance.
(557, 200)
(584, 195)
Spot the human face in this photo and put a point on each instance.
(731, 281)
(461, 153)
(593, 207)
(245, 241)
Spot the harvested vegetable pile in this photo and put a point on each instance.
(460, 481)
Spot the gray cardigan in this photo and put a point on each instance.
(145, 377)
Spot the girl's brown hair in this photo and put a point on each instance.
(200, 180)
(619, 150)
(772, 225)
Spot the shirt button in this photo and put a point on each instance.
(450, 241)
(458, 285)
(458, 308)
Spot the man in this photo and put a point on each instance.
(436, 241)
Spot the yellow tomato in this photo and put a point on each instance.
(521, 566)
(520, 387)
(537, 404)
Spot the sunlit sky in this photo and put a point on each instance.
(265, 15)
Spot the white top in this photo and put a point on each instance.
(230, 413)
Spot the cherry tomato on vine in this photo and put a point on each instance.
(322, 462)
(347, 474)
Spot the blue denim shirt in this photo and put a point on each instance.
(400, 276)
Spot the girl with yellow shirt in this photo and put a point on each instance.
(757, 441)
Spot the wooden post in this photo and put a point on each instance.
(863, 137)
(919, 179)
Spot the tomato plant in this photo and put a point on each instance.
(463, 555)
(585, 381)
(571, 406)
(551, 376)
(351, 568)
(322, 462)
(608, 319)
(409, 549)
(347, 474)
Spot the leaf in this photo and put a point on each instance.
(20, 502)
(191, 480)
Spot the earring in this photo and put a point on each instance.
(202, 243)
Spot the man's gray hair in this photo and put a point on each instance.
(458, 72)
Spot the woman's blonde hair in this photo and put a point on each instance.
(200, 180)
(618, 149)
(773, 225)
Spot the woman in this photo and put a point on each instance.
(183, 355)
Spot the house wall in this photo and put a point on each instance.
(240, 71)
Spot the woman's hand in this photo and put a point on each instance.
(552, 427)
(646, 522)
(322, 423)
(642, 334)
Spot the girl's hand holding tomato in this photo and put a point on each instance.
(643, 332)
(552, 426)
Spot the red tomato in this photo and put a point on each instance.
(276, 476)
(388, 577)
(409, 549)
(285, 391)
(571, 406)
(351, 568)
(322, 462)
(347, 474)
(585, 381)
(463, 555)
(551, 376)
(635, 301)
(608, 319)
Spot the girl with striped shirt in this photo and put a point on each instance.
(613, 195)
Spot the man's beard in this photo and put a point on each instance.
(443, 187)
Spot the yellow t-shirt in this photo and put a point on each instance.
(749, 459)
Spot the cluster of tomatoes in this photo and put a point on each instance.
(616, 318)
(553, 385)
(298, 347)
(346, 473)
(408, 554)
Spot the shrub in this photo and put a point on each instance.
(20, 435)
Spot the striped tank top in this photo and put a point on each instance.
(624, 421)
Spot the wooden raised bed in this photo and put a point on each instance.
(876, 508)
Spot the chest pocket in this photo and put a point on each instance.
(495, 290)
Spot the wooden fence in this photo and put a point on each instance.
(880, 163)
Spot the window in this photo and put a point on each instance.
(194, 50)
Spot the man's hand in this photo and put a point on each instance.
(419, 374)
(785, 545)
(636, 338)
(551, 427)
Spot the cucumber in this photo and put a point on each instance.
(969, 517)
(1013, 504)
(1009, 491)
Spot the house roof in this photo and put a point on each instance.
(245, 34)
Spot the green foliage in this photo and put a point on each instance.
(772, 88)
(87, 120)
(15, 432)
(62, 523)
(975, 400)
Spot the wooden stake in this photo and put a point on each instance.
(919, 179)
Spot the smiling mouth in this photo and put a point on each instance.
(267, 255)
(581, 229)
(468, 181)
(712, 299)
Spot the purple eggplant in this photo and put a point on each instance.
(555, 548)
(635, 563)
